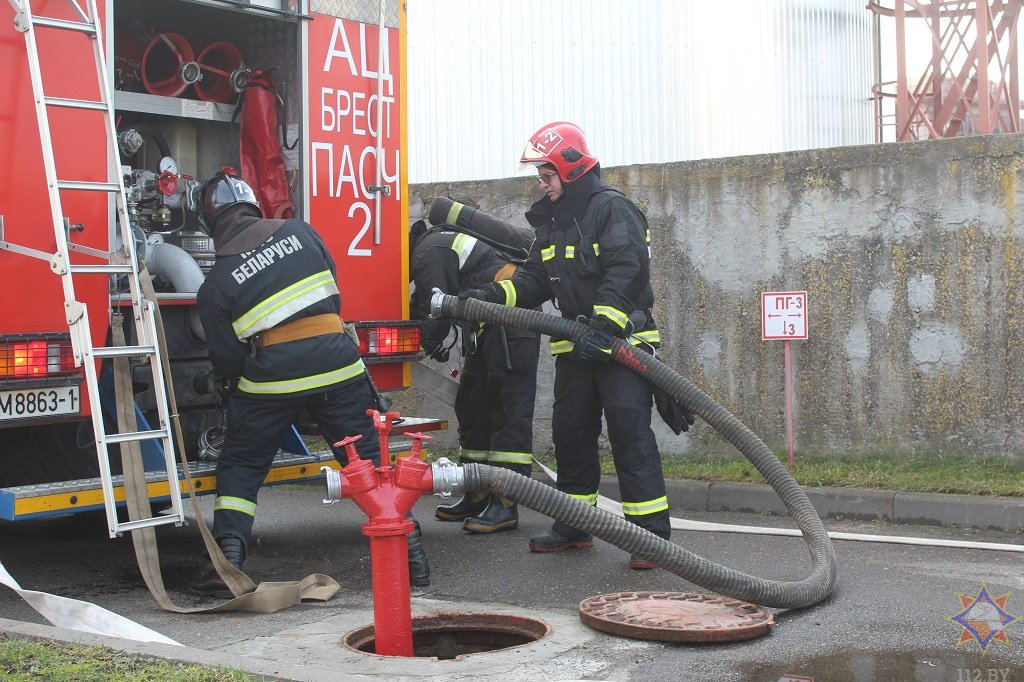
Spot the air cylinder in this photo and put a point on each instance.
(511, 240)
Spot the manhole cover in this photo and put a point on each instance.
(675, 616)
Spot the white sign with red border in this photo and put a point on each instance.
(783, 315)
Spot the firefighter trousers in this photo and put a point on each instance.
(494, 405)
(257, 426)
(583, 390)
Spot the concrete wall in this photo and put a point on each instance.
(913, 257)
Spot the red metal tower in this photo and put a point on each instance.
(969, 86)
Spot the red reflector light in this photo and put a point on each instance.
(36, 358)
(388, 340)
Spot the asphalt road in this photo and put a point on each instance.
(889, 617)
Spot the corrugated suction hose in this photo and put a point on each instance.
(628, 536)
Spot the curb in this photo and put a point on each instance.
(934, 509)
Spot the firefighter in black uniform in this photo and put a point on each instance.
(495, 400)
(270, 308)
(592, 256)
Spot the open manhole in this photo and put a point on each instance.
(675, 616)
(447, 636)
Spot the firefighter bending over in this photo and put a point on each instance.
(494, 403)
(271, 311)
(592, 257)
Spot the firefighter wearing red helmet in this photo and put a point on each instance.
(270, 308)
(592, 257)
(563, 147)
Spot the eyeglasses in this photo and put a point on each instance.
(546, 178)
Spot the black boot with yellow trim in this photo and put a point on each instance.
(501, 514)
(471, 504)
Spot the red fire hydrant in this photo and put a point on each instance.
(385, 494)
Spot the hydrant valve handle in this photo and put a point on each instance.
(416, 451)
(350, 448)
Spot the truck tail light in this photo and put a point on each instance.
(35, 357)
(389, 340)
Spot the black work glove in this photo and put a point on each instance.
(211, 383)
(595, 345)
(489, 293)
(674, 413)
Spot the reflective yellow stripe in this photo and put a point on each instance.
(235, 504)
(453, 213)
(511, 457)
(648, 236)
(570, 251)
(302, 383)
(548, 253)
(642, 508)
(473, 455)
(590, 498)
(285, 303)
(649, 336)
(615, 315)
(597, 249)
(558, 347)
(463, 245)
(510, 292)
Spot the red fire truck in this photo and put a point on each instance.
(175, 77)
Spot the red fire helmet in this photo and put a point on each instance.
(563, 146)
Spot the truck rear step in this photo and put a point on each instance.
(25, 502)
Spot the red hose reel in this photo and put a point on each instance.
(169, 66)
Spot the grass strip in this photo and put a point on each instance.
(25, 661)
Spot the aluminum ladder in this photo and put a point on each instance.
(121, 261)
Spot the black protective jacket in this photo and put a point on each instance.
(592, 256)
(453, 262)
(289, 276)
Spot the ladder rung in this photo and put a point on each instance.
(75, 103)
(132, 436)
(146, 523)
(122, 351)
(65, 25)
(101, 269)
(90, 186)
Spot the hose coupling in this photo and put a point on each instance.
(333, 479)
(449, 477)
(436, 300)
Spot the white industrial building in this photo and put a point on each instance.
(649, 81)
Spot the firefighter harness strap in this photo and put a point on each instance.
(303, 328)
(505, 272)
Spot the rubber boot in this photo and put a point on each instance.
(638, 563)
(501, 514)
(207, 581)
(471, 504)
(560, 538)
(419, 567)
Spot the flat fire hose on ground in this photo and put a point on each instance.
(73, 614)
(263, 598)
